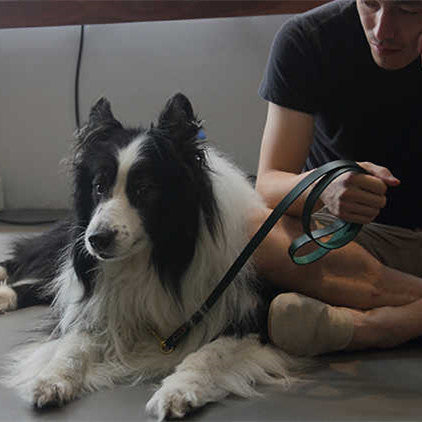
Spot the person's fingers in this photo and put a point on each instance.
(356, 218)
(381, 173)
(365, 197)
(359, 212)
(369, 183)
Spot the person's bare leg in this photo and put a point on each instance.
(386, 327)
(349, 276)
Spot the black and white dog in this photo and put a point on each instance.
(159, 216)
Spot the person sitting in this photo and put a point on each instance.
(344, 81)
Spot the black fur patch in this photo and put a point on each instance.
(38, 259)
(97, 143)
(178, 191)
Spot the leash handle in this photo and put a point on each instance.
(342, 232)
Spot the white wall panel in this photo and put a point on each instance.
(218, 63)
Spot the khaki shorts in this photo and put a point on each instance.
(393, 246)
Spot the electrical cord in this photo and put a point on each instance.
(78, 70)
(49, 220)
(34, 217)
(29, 223)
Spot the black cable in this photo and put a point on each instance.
(32, 217)
(27, 223)
(78, 69)
(5, 220)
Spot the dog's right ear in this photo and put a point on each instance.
(100, 119)
(101, 114)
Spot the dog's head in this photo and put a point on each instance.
(141, 190)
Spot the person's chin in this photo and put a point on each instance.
(389, 59)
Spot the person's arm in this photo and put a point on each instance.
(350, 276)
(285, 145)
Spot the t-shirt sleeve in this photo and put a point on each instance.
(292, 76)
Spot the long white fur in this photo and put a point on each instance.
(107, 340)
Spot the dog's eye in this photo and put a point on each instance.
(99, 189)
(100, 185)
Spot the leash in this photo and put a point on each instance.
(342, 233)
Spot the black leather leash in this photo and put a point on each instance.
(342, 233)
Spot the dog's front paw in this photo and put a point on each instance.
(171, 402)
(3, 274)
(8, 298)
(53, 392)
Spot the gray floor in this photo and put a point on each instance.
(370, 386)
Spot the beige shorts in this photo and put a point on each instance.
(395, 247)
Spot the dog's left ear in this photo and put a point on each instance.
(178, 117)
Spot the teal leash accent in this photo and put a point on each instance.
(342, 233)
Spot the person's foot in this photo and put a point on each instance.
(304, 326)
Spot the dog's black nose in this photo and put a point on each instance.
(101, 241)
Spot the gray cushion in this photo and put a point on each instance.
(366, 386)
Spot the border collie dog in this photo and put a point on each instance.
(159, 216)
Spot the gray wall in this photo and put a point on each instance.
(218, 63)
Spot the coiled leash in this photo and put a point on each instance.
(342, 233)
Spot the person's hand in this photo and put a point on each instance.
(356, 197)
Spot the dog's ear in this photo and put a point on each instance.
(100, 120)
(178, 118)
(178, 109)
(101, 114)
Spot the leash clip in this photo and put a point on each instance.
(165, 348)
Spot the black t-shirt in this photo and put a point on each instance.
(320, 63)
